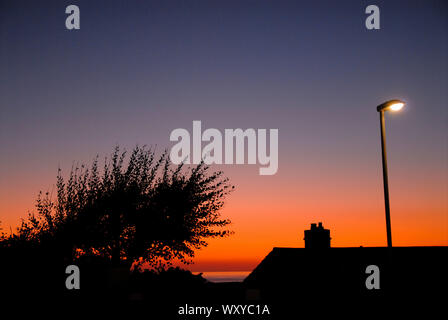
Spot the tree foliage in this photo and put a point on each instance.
(141, 209)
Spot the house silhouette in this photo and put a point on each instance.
(319, 272)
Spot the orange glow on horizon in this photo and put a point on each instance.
(264, 216)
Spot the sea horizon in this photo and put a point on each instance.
(225, 276)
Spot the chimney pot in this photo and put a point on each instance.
(317, 237)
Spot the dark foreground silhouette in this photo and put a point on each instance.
(289, 281)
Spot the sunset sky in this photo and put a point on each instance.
(136, 70)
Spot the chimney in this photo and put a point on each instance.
(317, 237)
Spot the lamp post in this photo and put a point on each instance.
(392, 105)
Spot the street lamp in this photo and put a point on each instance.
(392, 105)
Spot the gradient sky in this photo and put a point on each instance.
(139, 69)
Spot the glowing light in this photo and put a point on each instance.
(393, 105)
(396, 106)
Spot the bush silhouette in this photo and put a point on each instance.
(137, 210)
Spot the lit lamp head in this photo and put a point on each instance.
(393, 105)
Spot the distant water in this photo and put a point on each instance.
(226, 276)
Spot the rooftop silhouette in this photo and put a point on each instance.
(319, 272)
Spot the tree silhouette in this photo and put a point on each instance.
(137, 210)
